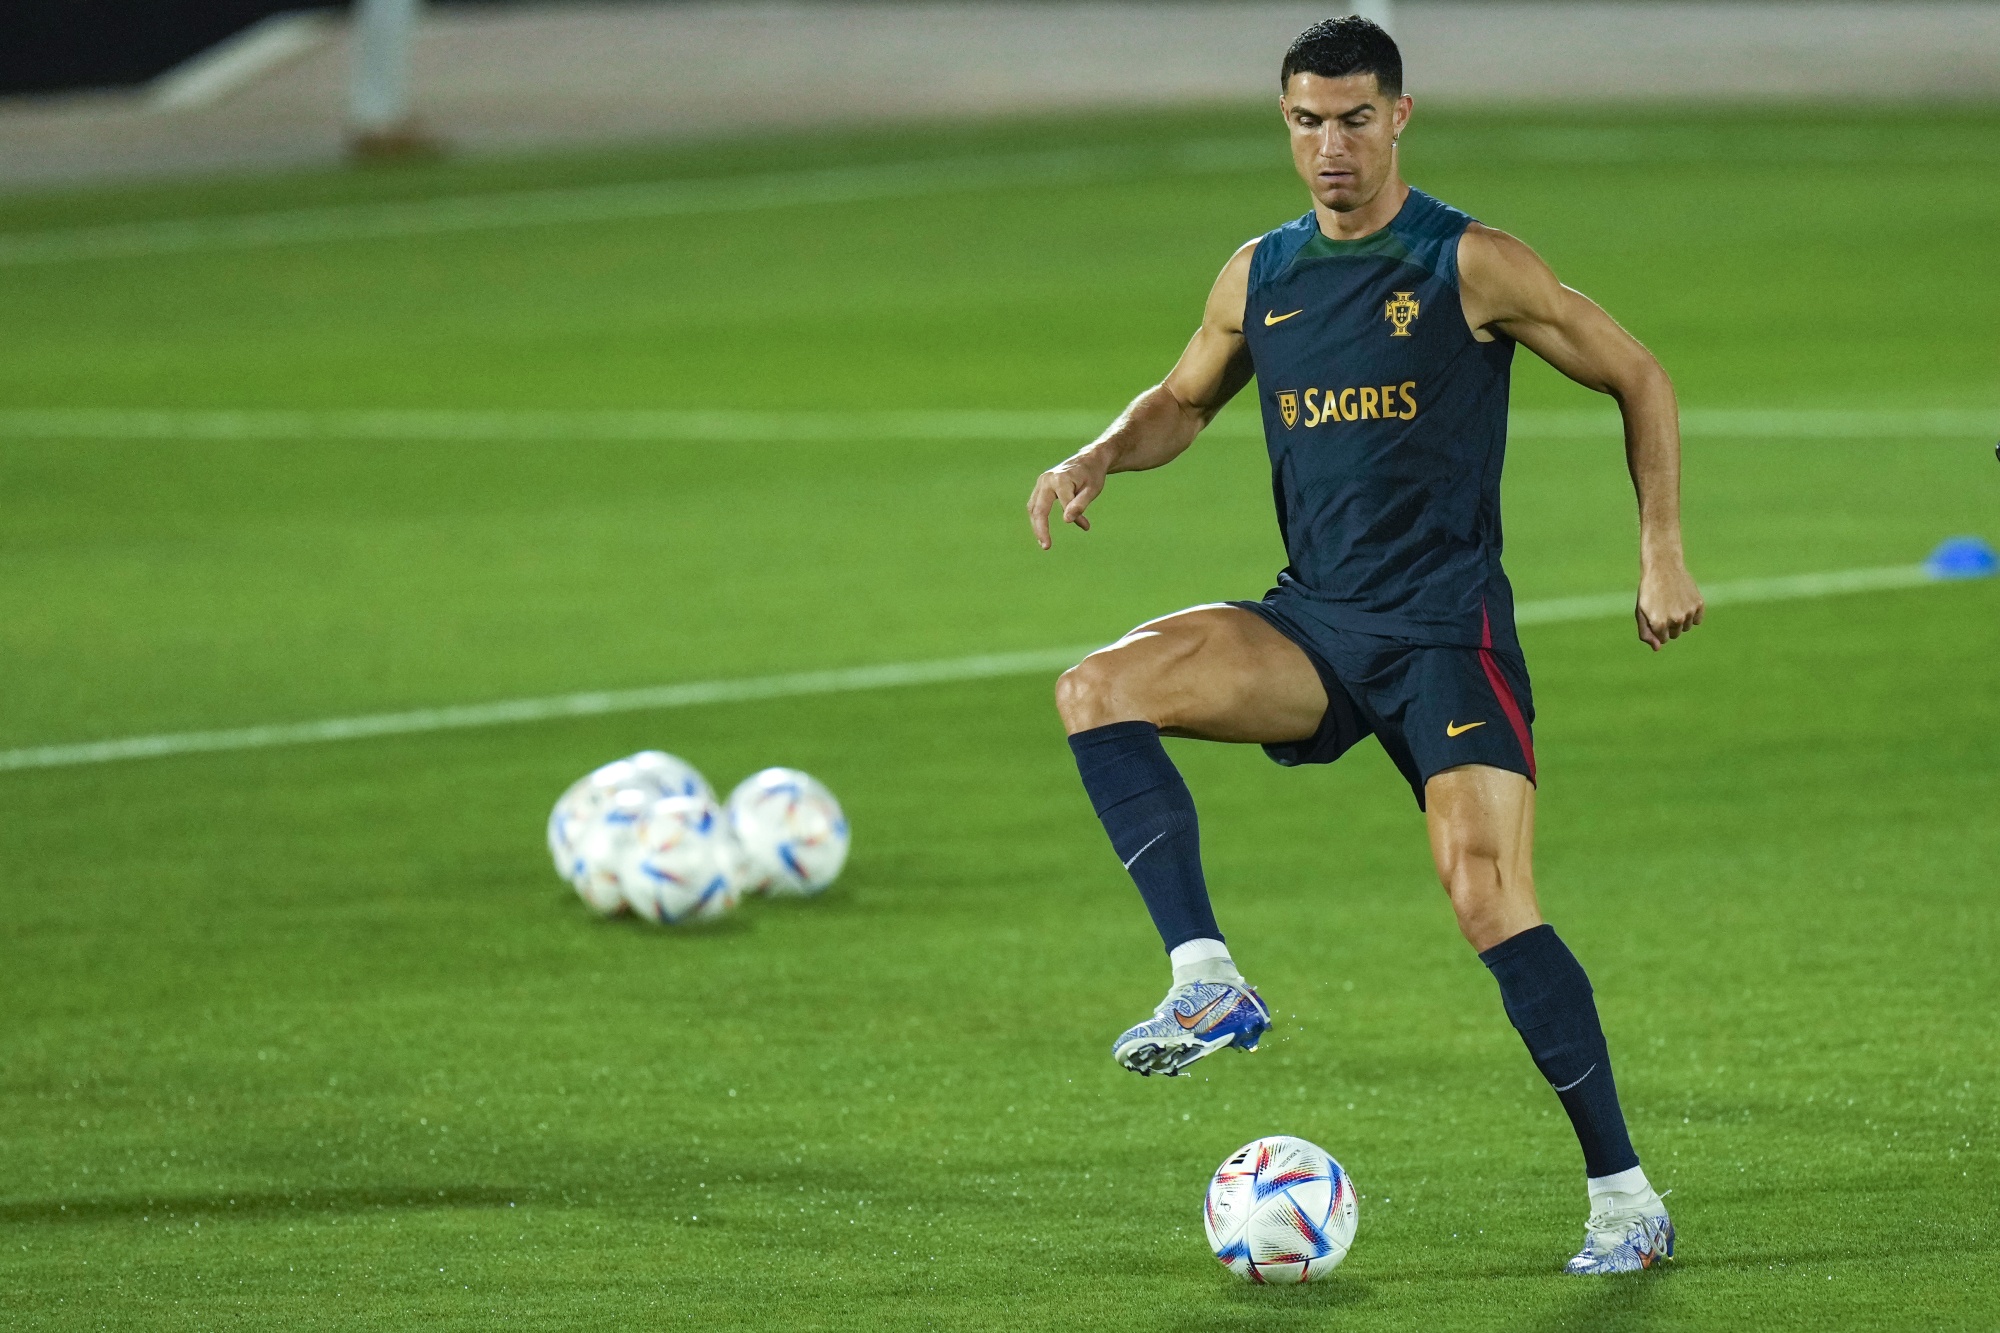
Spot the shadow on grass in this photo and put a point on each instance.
(836, 898)
(1620, 1302)
(734, 923)
(1240, 1305)
(264, 1204)
(752, 1174)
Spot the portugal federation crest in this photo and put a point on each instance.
(1401, 311)
(1288, 407)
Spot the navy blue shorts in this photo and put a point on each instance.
(1432, 706)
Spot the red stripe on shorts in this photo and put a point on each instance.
(1503, 692)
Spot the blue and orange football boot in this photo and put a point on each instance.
(1625, 1237)
(1196, 1017)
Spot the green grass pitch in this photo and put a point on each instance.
(312, 1038)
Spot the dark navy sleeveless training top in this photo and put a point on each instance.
(1387, 425)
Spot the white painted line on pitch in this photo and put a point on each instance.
(725, 425)
(842, 681)
(212, 75)
(592, 704)
(1781, 588)
(721, 425)
(1774, 423)
(614, 203)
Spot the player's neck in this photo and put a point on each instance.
(1368, 219)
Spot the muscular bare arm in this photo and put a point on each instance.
(1506, 286)
(1163, 421)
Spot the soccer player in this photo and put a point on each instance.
(1380, 328)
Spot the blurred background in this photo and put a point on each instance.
(405, 410)
(101, 88)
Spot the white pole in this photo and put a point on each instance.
(379, 94)
(1383, 12)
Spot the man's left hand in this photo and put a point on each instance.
(1669, 604)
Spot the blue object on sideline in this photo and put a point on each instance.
(1963, 558)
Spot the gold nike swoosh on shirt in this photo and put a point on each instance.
(1193, 1020)
(1273, 317)
(1453, 729)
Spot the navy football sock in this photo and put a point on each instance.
(1146, 808)
(1548, 998)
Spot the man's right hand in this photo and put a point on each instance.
(1070, 485)
(1163, 421)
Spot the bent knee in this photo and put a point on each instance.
(1088, 694)
(1124, 683)
(1076, 691)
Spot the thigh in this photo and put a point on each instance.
(1216, 673)
(1482, 811)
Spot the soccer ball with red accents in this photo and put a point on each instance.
(792, 832)
(590, 829)
(1280, 1210)
(681, 862)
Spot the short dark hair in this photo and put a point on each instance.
(1337, 48)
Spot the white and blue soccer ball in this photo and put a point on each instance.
(681, 863)
(791, 830)
(591, 827)
(1280, 1211)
